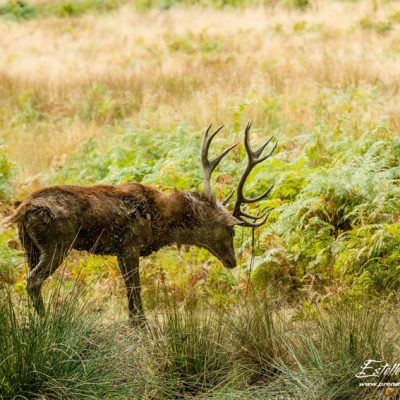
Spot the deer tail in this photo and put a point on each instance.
(41, 212)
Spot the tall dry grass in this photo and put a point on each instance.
(158, 68)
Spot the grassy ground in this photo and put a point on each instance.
(253, 350)
(111, 91)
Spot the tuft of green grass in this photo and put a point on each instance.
(257, 337)
(18, 10)
(326, 356)
(191, 350)
(377, 26)
(302, 4)
(68, 353)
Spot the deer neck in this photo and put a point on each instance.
(176, 221)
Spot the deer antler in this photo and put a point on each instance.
(254, 158)
(209, 166)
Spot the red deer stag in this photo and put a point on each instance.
(130, 221)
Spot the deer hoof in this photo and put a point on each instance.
(137, 321)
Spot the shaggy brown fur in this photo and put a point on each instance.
(128, 221)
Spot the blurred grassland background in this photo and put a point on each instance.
(112, 91)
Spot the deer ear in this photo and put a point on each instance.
(230, 220)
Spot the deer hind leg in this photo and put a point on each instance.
(31, 250)
(32, 253)
(49, 260)
(129, 266)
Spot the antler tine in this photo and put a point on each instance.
(247, 142)
(227, 198)
(270, 153)
(214, 133)
(255, 217)
(258, 224)
(217, 159)
(258, 198)
(258, 152)
(253, 160)
(253, 156)
(210, 165)
(255, 224)
(207, 130)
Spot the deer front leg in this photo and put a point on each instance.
(128, 264)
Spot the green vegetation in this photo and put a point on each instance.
(17, 10)
(166, 4)
(22, 10)
(66, 354)
(378, 26)
(335, 206)
(6, 190)
(249, 351)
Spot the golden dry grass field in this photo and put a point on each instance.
(191, 63)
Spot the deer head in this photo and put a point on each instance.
(217, 227)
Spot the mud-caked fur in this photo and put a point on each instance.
(128, 220)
